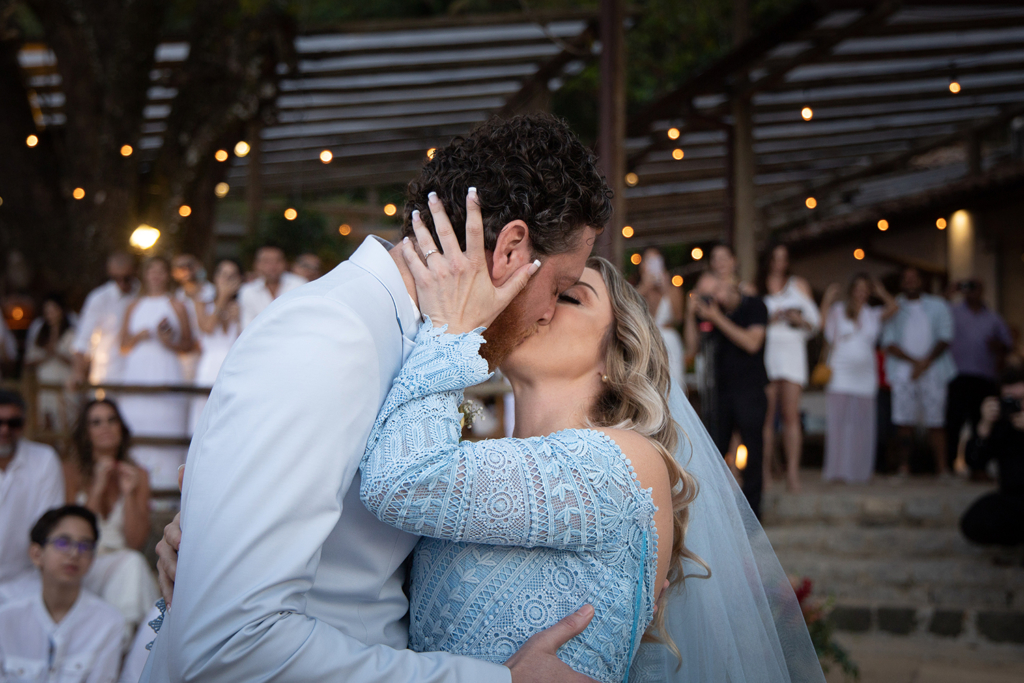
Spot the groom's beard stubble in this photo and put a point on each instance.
(506, 333)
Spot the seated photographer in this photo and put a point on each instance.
(998, 518)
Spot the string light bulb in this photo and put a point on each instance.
(390, 209)
(32, 140)
(632, 179)
(242, 148)
(344, 229)
(697, 253)
(807, 113)
(635, 259)
(126, 150)
(184, 210)
(810, 202)
(883, 225)
(954, 86)
(627, 231)
(677, 154)
(673, 133)
(430, 152)
(741, 457)
(858, 254)
(290, 214)
(326, 156)
(221, 155)
(144, 237)
(78, 193)
(940, 223)
(221, 189)
(677, 280)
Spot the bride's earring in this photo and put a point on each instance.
(604, 378)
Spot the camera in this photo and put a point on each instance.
(1009, 406)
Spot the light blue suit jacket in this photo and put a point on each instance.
(283, 574)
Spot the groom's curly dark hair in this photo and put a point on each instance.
(529, 167)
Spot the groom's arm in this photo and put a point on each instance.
(263, 490)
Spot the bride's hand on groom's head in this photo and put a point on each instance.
(455, 288)
(536, 661)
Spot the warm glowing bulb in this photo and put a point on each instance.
(677, 280)
(954, 87)
(627, 231)
(390, 209)
(126, 150)
(941, 224)
(741, 457)
(144, 237)
(635, 259)
(807, 113)
(326, 156)
(17, 313)
(221, 189)
(632, 179)
(79, 193)
(883, 225)
(430, 153)
(290, 214)
(673, 133)
(221, 155)
(242, 148)
(811, 202)
(858, 254)
(697, 253)
(344, 229)
(32, 141)
(677, 154)
(184, 210)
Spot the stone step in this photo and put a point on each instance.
(970, 582)
(895, 542)
(887, 503)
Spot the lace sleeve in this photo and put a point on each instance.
(572, 490)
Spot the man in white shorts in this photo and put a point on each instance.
(918, 365)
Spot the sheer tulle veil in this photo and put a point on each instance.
(744, 624)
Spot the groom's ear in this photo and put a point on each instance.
(512, 251)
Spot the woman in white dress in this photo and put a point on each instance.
(792, 319)
(48, 350)
(155, 330)
(101, 477)
(852, 328)
(219, 327)
(665, 303)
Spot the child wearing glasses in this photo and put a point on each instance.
(59, 631)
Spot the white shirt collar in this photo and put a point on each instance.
(373, 257)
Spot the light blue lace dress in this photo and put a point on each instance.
(518, 532)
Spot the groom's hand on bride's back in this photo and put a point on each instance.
(536, 661)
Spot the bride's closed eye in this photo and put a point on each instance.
(567, 299)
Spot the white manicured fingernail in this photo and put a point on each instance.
(405, 240)
(415, 214)
(181, 467)
(472, 190)
(432, 196)
(535, 266)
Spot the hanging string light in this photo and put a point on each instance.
(290, 214)
(954, 86)
(635, 259)
(32, 140)
(184, 210)
(940, 223)
(144, 237)
(430, 152)
(221, 155)
(78, 193)
(883, 225)
(858, 254)
(344, 229)
(627, 231)
(673, 133)
(677, 280)
(632, 179)
(326, 156)
(126, 150)
(810, 202)
(677, 154)
(807, 113)
(241, 148)
(390, 209)
(221, 189)
(697, 253)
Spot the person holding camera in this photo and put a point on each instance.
(997, 518)
(980, 342)
(736, 325)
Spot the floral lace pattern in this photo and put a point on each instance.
(518, 532)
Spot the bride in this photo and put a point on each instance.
(590, 503)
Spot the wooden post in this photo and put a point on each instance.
(254, 179)
(612, 134)
(744, 217)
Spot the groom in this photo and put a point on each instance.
(283, 574)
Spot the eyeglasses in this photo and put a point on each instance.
(66, 545)
(13, 422)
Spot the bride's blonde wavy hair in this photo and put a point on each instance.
(635, 397)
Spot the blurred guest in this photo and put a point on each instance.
(665, 303)
(8, 344)
(738, 327)
(99, 327)
(191, 288)
(792, 319)
(30, 484)
(60, 631)
(919, 366)
(308, 266)
(981, 340)
(104, 479)
(998, 518)
(852, 328)
(272, 280)
(218, 329)
(155, 331)
(48, 349)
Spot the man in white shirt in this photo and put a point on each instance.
(96, 346)
(31, 482)
(273, 280)
(283, 574)
(59, 631)
(192, 290)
